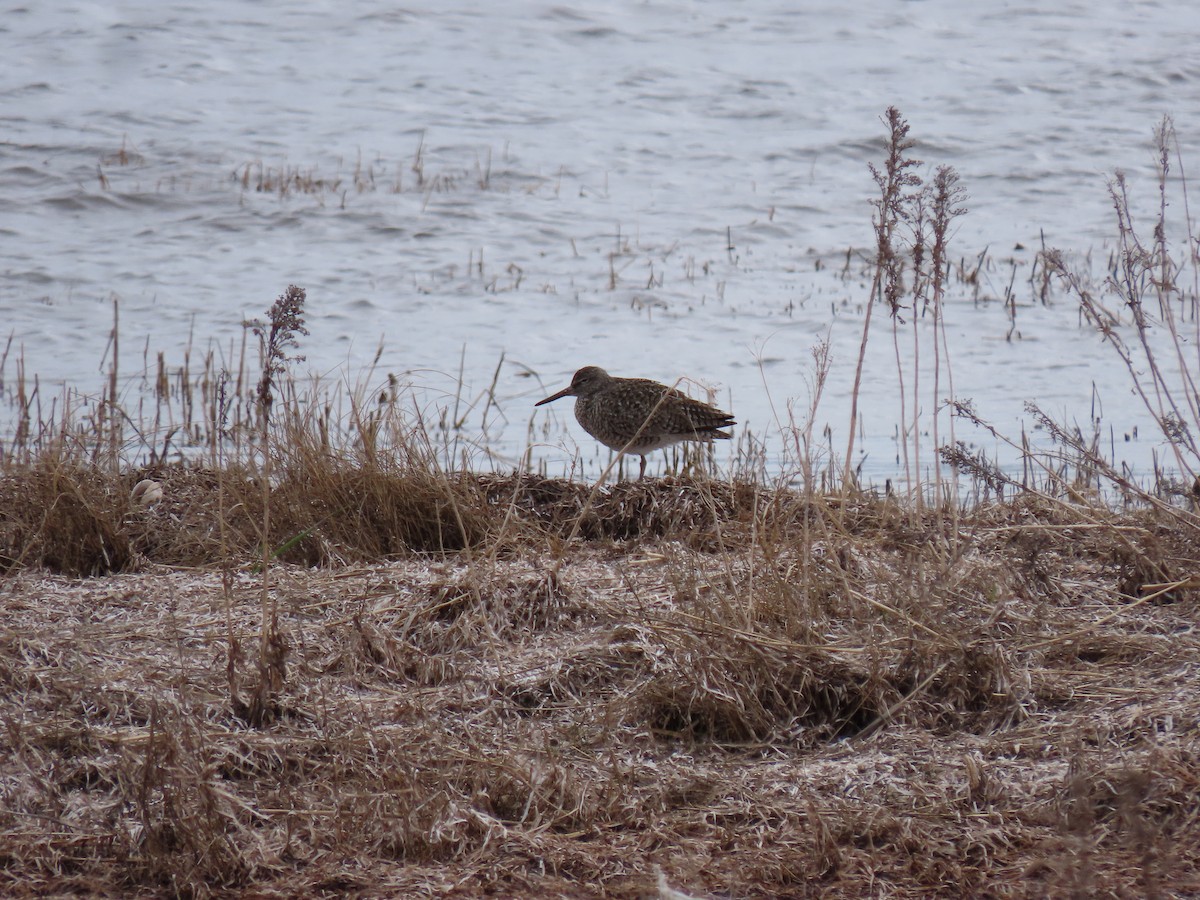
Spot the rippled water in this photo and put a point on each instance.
(665, 189)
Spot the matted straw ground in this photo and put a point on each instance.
(743, 693)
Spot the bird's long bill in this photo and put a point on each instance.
(563, 393)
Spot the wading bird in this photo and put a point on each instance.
(637, 415)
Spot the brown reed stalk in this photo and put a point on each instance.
(919, 226)
(1167, 285)
(947, 200)
(277, 336)
(1144, 272)
(894, 183)
(114, 413)
(220, 406)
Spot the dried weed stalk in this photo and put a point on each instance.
(278, 336)
(912, 223)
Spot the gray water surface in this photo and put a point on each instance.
(664, 189)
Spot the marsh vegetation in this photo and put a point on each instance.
(263, 637)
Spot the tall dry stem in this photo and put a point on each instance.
(114, 412)
(947, 199)
(893, 182)
(277, 336)
(1163, 369)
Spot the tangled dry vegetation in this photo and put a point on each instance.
(514, 687)
(312, 662)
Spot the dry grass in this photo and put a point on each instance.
(315, 656)
(757, 693)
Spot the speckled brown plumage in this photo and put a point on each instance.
(639, 415)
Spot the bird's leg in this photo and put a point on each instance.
(642, 471)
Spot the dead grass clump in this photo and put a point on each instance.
(666, 508)
(205, 517)
(760, 688)
(594, 677)
(421, 809)
(370, 652)
(1147, 554)
(319, 517)
(550, 502)
(78, 520)
(1161, 551)
(66, 517)
(475, 608)
(1119, 817)
(732, 689)
(193, 835)
(978, 687)
(1147, 791)
(365, 514)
